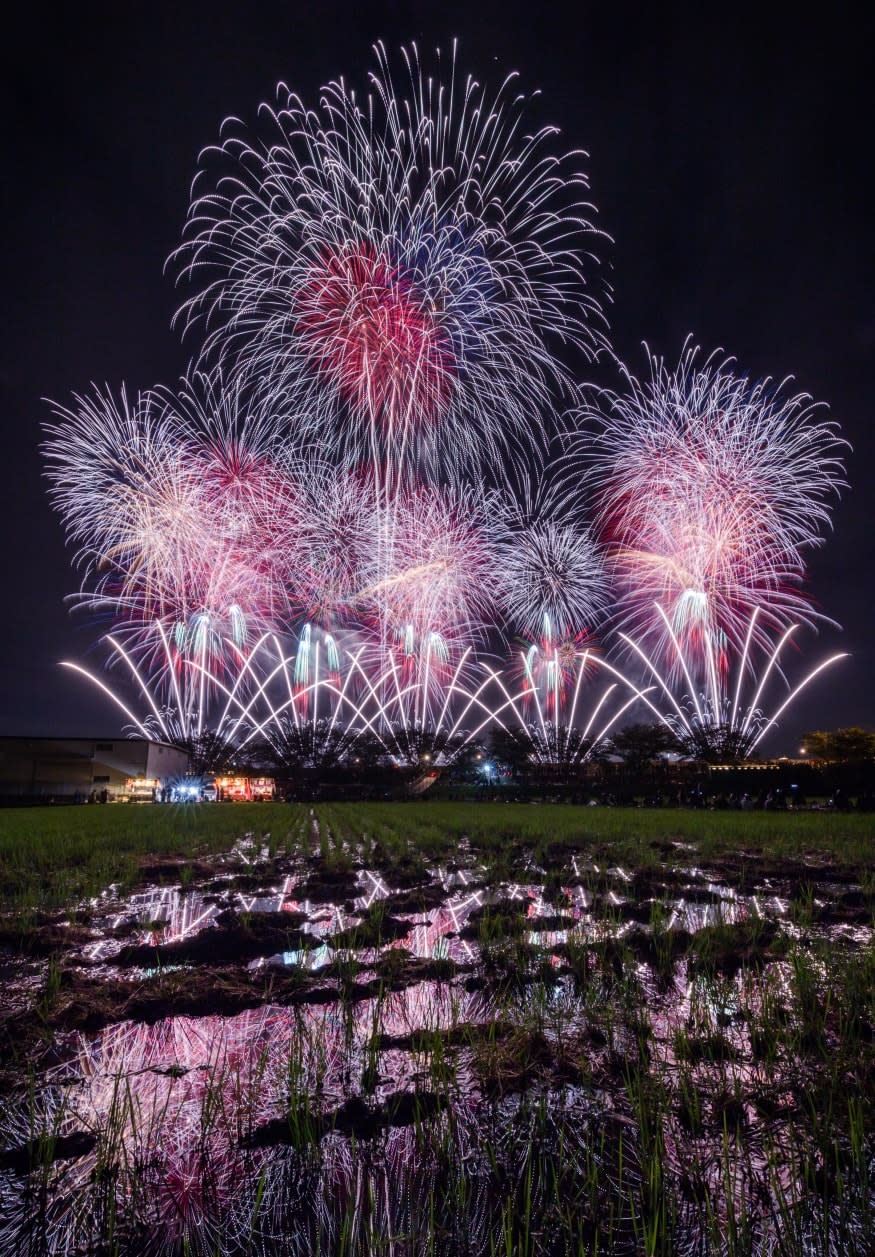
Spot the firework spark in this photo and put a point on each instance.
(717, 720)
(398, 272)
(710, 488)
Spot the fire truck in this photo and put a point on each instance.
(142, 789)
(261, 788)
(244, 789)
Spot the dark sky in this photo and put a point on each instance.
(730, 160)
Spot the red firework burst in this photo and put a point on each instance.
(367, 330)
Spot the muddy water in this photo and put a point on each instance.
(161, 915)
(429, 1047)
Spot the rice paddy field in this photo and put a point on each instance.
(436, 1028)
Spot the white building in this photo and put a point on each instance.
(66, 768)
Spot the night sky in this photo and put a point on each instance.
(731, 161)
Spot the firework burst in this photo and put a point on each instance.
(431, 569)
(175, 512)
(710, 489)
(396, 272)
(551, 573)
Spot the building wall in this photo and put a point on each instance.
(67, 767)
(164, 761)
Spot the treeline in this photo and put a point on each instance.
(640, 763)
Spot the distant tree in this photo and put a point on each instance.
(817, 744)
(511, 749)
(367, 751)
(561, 748)
(639, 744)
(420, 746)
(718, 744)
(847, 746)
(210, 752)
(312, 744)
(853, 745)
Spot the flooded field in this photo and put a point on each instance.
(389, 1029)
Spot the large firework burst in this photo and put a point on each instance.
(176, 506)
(710, 488)
(396, 271)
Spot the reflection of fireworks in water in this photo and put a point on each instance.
(446, 1187)
(171, 1108)
(710, 489)
(144, 1092)
(383, 268)
(225, 1135)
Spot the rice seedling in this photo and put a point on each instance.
(436, 1028)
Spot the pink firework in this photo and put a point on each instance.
(252, 512)
(431, 568)
(403, 277)
(184, 522)
(710, 488)
(371, 335)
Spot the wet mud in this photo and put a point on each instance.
(367, 1052)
